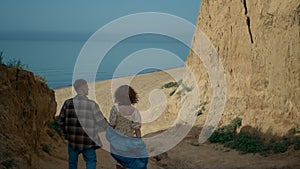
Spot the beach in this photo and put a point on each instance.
(145, 85)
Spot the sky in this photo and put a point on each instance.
(48, 35)
(78, 19)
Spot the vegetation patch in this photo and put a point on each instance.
(251, 143)
(14, 63)
(1, 57)
(226, 133)
(54, 128)
(7, 161)
(46, 148)
(200, 108)
(297, 143)
(247, 143)
(171, 84)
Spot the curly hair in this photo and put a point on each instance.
(126, 95)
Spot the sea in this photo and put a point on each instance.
(55, 60)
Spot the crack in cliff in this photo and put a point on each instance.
(248, 21)
(17, 78)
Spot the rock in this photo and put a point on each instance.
(258, 43)
(26, 107)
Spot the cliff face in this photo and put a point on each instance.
(258, 43)
(26, 106)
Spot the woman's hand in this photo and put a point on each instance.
(138, 133)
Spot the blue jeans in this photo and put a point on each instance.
(89, 156)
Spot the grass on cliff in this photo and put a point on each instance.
(6, 160)
(251, 143)
(1, 57)
(54, 129)
(15, 63)
(47, 148)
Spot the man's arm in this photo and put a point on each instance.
(99, 117)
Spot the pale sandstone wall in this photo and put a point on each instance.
(258, 42)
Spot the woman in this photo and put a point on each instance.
(126, 120)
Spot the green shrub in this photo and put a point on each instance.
(51, 133)
(1, 57)
(46, 148)
(247, 143)
(173, 85)
(54, 128)
(280, 148)
(17, 64)
(170, 84)
(9, 163)
(226, 133)
(201, 108)
(237, 122)
(221, 137)
(297, 143)
(250, 143)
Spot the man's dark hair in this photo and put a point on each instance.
(78, 83)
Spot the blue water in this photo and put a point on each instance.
(55, 60)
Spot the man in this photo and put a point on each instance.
(80, 119)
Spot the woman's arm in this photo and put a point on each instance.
(136, 125)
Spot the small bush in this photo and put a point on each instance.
(1, 57)
(226, 133)
(51, 133)
(171, 84)
(247, 143)
(297, 143)
(17, 64)
(237, 122)
(251, 143)
(54, 128)
(280, 148)
(9, 163)
(46, 148)
(201, 108)
(221, 137)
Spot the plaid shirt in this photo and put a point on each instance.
(80, 119)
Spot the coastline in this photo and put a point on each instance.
(144, 84)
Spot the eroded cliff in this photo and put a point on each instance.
(258, 43)
(26, 107)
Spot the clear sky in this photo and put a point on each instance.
(48, 35)
(42, 19)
